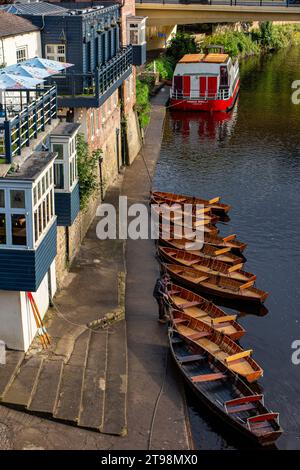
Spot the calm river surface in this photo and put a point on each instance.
(252, 160)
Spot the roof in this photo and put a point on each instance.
(12, 25)
(211, 58)
(32, 167)
(190, 58)
(65, 129)
(35, 8)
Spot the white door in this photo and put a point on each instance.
(194, 86)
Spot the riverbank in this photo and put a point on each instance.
(141, 396)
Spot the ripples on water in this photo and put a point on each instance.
(252, 159)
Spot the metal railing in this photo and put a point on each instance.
(259, 3)
(93, 85)
(222, 94)
(18, 131)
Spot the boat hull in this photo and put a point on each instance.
(206, 105)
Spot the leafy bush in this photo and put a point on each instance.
(87, 174)
(164, 66)
(236, 43)
(142, 103)
(179, 45)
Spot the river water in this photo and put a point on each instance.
(251, 158)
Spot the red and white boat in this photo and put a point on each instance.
(205, 82)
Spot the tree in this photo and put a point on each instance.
(179, 45)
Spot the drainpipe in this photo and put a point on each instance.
(101, 177)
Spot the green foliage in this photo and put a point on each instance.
(179, 45)
(142, 103)
(86, 163)
(275, 37)
(236, 43)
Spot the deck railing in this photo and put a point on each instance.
(253, 3)
(222, 94)
(85, 88)
(17, 131)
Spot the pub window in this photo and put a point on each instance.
(56, 52)
(36, 226)
(59, 149)
(22, 54)
(2, 198)
(58, 175)
(18, 226)
(17, 199)
(2, 229)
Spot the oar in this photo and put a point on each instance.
(229, 238)
(38, 324)
(222, 251)
(40, 318)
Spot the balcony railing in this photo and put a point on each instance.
(19, 127)
(77, 90)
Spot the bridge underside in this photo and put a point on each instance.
(171, 14)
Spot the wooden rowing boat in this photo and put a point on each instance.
(197, 248)
(223, 392)
(186, 209)
(230, 241)
(204, 264)
(218, 345)
(222, 287)
(214, 204)
(169, 218)
(197, 307)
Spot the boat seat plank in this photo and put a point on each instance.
(198, 335)
(208, 377)
(190, 262)
(190, 304)
(192, 358)
(240, 408)
(179, 320)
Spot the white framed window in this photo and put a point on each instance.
(43, 204)
(65, 165)
(56, 52)
(22, 54)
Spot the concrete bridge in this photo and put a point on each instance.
(171, 12)
(165, 15)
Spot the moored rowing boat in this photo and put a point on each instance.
(218, 345)
(204, 264)
(214, 204)
(241, 409)
(197, 307)
(223, 287)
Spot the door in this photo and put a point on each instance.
(194, 86)
(202, 84)
(212, 86)
(177, 86)
(186, 85)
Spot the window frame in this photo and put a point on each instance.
(55, 55)
(22, 49)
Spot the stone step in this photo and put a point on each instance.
(115, 419)
(9, 370)
(69, 395)
(23, 385)
(45, 396)
(93, 390)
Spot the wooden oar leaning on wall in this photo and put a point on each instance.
(42, 332)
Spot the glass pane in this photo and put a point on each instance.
(17, 199)
(51, 204)
(18, 227)
(34, 196)
(44, 214)
(2, 229)
(40, 219)
(2, 198)
(36, 231)
(59, 149)
(59, 175)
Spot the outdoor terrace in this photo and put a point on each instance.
(91, 90)
(23, 117)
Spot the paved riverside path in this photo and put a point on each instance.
(146, 341)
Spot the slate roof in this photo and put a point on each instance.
(12, 25)
(34, 8)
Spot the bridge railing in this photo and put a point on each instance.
(259, 3)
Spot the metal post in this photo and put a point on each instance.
(43, 112)
(27, 127)
(35, 115)
(19, 135)
(7, 141)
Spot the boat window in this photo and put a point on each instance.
(223, 76)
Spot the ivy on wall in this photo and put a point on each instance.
(87, 170)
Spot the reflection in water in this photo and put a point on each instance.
(252, 159)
